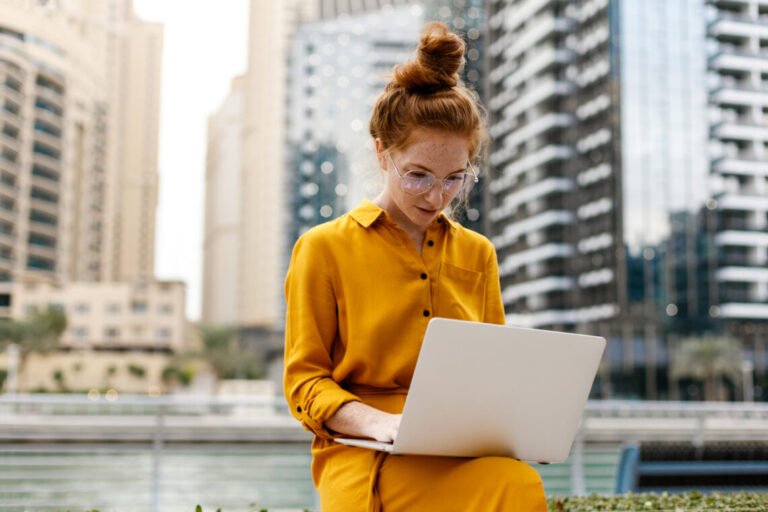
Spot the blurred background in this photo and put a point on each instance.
(159, 158)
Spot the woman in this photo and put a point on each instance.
(361, 289)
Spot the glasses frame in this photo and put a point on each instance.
(469, 170)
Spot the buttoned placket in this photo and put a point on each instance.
(426, 264)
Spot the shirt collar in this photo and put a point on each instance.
(367, 212)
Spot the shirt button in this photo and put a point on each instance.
(426, 313)
(423, 276)
(440, 220)
(430, 243)
(298, 409)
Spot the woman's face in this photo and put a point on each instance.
(439, 153)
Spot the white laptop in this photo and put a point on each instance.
(485, 389)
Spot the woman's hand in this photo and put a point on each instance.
(385, 427)
(361, 420)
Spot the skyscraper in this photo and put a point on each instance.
(222, 237)
(605, 199)
(80, 101)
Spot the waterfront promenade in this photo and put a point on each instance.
(171, 453)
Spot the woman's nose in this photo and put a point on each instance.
(435, 194)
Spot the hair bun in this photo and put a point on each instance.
(439, 58)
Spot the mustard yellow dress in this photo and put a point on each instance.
(359, 297)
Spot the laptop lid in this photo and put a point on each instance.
(485, 389)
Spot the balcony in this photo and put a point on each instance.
(742, 275)
(745, 199)
(45, 184)
(13, 94)
(10, 142)
(45, 206)
(744, 311)
(742, 163)
(9, 117)
(742, 238)
(543, 156)
(48, 117)
(536, 93)
(739, 60)
(746, 132)
(46, 161)
(536, 191)
(43, 229)
(537, 30)
(513, 231)
(541, 60)
(738, 25)
(542, 125)
(48, 140)
(737, 93)
(41, 251)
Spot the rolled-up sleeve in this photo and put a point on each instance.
(310, 329)
(494, 306)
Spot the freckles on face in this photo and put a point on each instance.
(439, 153)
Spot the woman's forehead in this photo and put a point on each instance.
(429, 147)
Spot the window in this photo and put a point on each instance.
(164, 333)
(80, 332)
(112, 307)
(165, 309)
(82, 307)
(111, 333)
(139, 306)
(56, 306)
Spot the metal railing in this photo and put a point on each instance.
(156, 453)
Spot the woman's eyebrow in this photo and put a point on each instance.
(425, 168)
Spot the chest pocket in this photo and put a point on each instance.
(460, 293)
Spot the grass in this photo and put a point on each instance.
(665, 502)
(682, 502)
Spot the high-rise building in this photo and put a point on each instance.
(223, 206)
(738, 70)
(337, 68)
(79, 90)
(609, 214)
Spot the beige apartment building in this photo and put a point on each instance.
(222, 235)
(79, 114)
(118, 335)
(244, 260)
(247, 290)
(147, 317)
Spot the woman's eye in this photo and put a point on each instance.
(417, 175)
(456, 178)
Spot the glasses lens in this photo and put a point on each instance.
(415, 182)
(457, 183)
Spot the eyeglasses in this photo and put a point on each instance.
(421, 182)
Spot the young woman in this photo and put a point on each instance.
(361, 289)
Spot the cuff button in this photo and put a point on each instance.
(298, 408)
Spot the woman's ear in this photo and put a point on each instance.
(381, 154)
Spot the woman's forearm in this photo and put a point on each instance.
(361, 420)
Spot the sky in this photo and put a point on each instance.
(205, 46)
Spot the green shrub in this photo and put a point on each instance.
(683, 502)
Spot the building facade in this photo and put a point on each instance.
(144, 317)
(607, 156)
(222, 237)
(80, 111)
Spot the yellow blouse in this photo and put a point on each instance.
(359, 297)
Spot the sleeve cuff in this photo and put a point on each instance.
(315, 412)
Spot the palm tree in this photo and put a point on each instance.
(39, 332)
(708, 359)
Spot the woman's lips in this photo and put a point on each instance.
(430, 212)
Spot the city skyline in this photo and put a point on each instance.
(197, 73)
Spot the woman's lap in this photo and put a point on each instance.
(447, 483)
